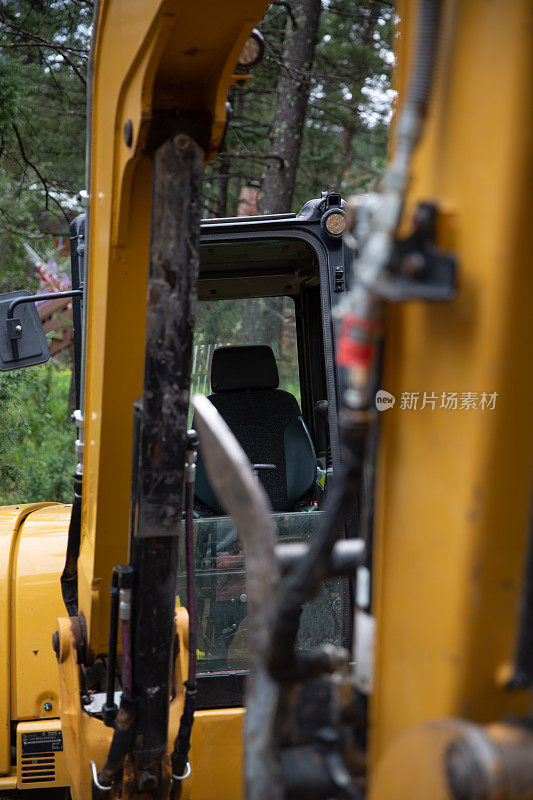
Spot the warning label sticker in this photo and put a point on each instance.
(42, 742)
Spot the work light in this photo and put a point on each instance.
(334, 222)
(252, 52)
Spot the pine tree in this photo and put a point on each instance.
(43, 55)
(344, 141)
(292, 95)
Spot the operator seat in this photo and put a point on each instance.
(266, 421)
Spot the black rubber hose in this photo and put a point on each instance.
(121, 744)
(523, 667)
(69, 578)
(180, 754)
(421, 82)
(182, 743)
(426, 54)
(191, 600)
(123, 735)
(284, 663)
(109, 709)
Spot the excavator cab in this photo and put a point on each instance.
(263, 353)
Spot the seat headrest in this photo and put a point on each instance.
(241, 367)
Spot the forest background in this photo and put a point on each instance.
(314, 117)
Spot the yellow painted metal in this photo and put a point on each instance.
(412, 766)
(11, 519)
(150, 58)
(36, 604)
(33, 541)
(8, 782)
(86, 738)
(30, 766)
(454, 488)
(216, 755)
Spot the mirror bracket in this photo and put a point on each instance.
(22, 338)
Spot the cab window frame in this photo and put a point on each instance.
(225, 689)
(258, 232)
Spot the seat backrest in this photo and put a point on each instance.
(267, 423)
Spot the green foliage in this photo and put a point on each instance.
(37, 458)
(344, 146)
(43, 54)
(8, 92)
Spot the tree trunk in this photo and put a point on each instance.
(292, 96)
(347, 136)
(221, 203)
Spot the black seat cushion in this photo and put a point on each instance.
(238, 368)
(267, 423)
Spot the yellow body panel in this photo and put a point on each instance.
(11, 519)
(43, 767)
(454, 488)
(216, 755)
(150, 58)
(216, 749)
(33, 541)
(37, 603)
(8, 782)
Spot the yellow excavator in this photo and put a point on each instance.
(346, 551)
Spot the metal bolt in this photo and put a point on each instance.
(18, 328)
(422, 217)
(413, 263)
(243, 598)
(147, 782)
(128, 133)
(47, 706)
(181, 141)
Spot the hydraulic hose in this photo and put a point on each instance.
(179, 757)
(523, 666)
(426, 51)
(125, 719)
(69, 577)
(109, 709)
(285, 664)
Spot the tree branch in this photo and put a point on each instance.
(255, 156)
(38, 173)
(37, 41)
(288, 9)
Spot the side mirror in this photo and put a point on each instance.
(22, 338)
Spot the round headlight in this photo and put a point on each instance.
(334, 222)
(252, 52)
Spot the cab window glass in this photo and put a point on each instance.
(220, 580)
(221, 594)
(258, 320)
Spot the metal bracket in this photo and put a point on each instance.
(418, 269)
(14, 328)
(14, 324)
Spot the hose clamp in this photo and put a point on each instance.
(185, 774)
(96, 781)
